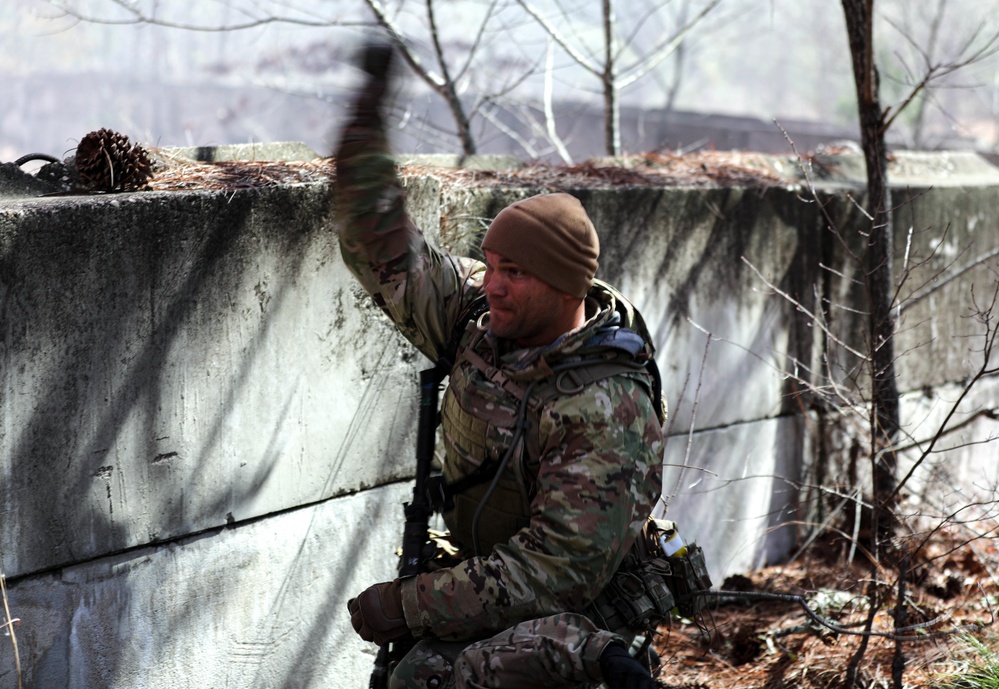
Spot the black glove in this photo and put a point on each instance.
(621, 671)
(376, 61)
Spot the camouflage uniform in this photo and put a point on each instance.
(564, 512)
(561, 650)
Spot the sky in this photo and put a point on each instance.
(166, 86)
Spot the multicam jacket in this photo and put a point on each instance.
(564, 512)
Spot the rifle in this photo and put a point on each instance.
(414, 538)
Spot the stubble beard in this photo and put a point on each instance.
(526, 327)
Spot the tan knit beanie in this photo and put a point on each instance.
(551, 237)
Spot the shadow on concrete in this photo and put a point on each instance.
(700, 278)
(110, 308)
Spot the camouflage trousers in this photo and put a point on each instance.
(562, 650)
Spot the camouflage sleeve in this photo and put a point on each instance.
(423, 290)
(599, 477)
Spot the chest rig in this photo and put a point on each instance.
(491, 416)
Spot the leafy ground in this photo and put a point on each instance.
(771, 645)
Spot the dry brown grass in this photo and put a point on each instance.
(648, 170)
(178, 174)
(768, 645)
(653, 170)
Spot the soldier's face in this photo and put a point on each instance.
(524, 308)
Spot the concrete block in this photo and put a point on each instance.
(831, 168)
(946, 262)
(953, 475)
(734, 490)
(197, 399)
(263, 604)
(938, 169)
(184, 361)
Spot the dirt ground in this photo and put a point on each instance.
(773, 645)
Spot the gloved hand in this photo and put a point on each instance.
(376, 61)
(376, 614)
(621, 671)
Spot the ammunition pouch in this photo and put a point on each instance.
(688, 575)
(637, 599)
(650, 585)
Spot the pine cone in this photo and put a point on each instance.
(106, 162)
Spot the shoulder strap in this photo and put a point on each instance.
(622, 351)
(570, 378)
(446, 361)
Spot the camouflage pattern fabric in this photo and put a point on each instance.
(547, 653)
(480, 415)
(428, 665)
(585, 497)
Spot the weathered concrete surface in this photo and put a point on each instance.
(955, 476)
(183, 362)
(196, 402)
(735, 490)
(261, 604)
(952, 232)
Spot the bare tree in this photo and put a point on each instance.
(246, 16)
(880, 279)
(878, 273)
(936, 46)
(927, 49)
(839, 389)
(734, 19)
(875, 120)
(610, 66)
(444, 63)
(442, 81)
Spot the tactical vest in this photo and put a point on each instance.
(491, 429)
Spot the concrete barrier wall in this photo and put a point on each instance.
(175, 363)
(206, 427)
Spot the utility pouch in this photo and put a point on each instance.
(688, 574)
(650, 584)
(687, 570)
(637, 598)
